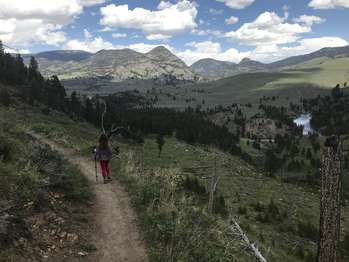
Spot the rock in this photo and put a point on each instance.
(82, 254)
(72, 237)
(63, 235)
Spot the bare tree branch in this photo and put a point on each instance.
(247, 243)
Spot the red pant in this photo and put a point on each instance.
(105, 168)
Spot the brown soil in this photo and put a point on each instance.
(115, 232)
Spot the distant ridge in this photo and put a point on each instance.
(117, 65)
(216, 69)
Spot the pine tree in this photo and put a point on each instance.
(5, 98)
(2, 50)
(89, 111)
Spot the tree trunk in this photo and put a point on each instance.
(330, 205)
(213, 186)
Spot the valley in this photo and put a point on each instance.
(184, 129)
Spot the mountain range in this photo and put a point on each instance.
(215, 69)
(115, 65)
(159, 67)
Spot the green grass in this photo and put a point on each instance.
(241, 186)
(31, 174)
(302, 81)
(172, 216)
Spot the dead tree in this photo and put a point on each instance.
(330, 204)
(251, 247)
(213, 187)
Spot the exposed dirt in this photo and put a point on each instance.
(115, 233)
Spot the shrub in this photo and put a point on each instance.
(193, 184)
(220, 207)
(242, 210)
(258, 206)
(5, 148)
(307, 230)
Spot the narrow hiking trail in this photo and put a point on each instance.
(115, 233)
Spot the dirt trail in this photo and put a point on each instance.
(115, 235)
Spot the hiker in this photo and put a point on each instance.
(104, 154)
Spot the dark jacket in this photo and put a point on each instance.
(103, 154)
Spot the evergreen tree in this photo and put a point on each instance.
(55, 93)
(2, 50)
(75, 105)
(89, 110)
(5, 98)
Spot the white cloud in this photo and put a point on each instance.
(145, 48)
(170, 19)
(119, 35)
(158, 37)
(164, 5)
(231, 20)
(236, 4)
(268, 28)
(208, 49)
(309, 20)
(17, 51)
(208, 32)
(87, 34)
(38, 21)
(329, 4)
(90, 45)
(55, 12)
(24, 32)
(91, 2)
(273, 53)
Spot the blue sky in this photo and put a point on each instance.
(264, 30)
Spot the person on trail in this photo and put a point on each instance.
(104, 155)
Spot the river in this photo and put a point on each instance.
(304, 120)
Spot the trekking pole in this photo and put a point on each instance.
(94, 153)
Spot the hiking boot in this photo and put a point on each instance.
(109, 178)
(105, 181)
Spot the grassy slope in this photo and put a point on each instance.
(38, 208)
(305, 80)
(242, 187)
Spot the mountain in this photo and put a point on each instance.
(328, 52)
(215, 69)
(159, 65)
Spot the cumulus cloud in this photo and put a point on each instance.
(158, 37)
(236, 4)
(329, 4)
(168, 20)
(87, 34)
(208, 49)
(231, 20)
(208, 32)
(119, 35)
(91, 2)
(145, 48)
(90, 45)
(309, 20)
(24, 32)
(271, 53)
(38, 20)
(268, 28)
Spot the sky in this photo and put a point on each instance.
(228, 30)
